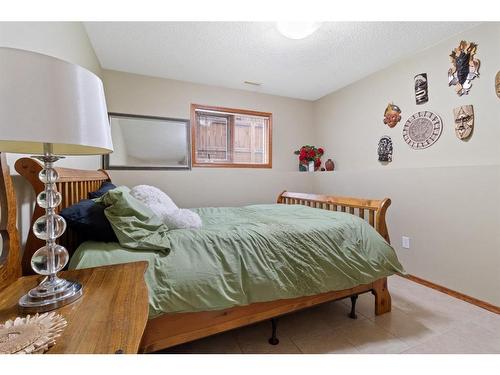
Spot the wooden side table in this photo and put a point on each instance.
(109, 318)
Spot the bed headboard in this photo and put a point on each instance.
(370, 210)
(73, 184)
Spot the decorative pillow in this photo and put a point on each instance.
(161, 204)
(105, 187)
(135, 225)
(87, 218)
(183, 219)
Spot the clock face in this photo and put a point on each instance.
(422, 130)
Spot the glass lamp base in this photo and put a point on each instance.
(51, 294)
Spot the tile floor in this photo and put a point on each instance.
(422, 321)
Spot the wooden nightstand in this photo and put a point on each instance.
(110, 317)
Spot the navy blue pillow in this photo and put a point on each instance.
(105, 187)
(88, 220)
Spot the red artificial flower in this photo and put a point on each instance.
(317, 162)
(321, 151)
(302, 154)
(311, 154)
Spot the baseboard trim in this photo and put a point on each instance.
(453, 293)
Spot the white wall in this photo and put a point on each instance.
(292, 125)
(67, 41)
(444, 197)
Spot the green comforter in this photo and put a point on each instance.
(254, 254)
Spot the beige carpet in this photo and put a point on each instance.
(422, 321)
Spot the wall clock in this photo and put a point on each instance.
(422, 130)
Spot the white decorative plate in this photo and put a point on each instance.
(422, 130)
(32, 334)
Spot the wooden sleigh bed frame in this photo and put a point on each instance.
(176, 328)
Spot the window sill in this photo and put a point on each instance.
(221, 165)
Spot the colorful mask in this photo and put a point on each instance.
(392, 115)
(385, 149)
(464, 121)
(421, 95)
(465, 67)
(497, 84)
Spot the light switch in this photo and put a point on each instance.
(405, 242)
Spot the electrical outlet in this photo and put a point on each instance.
(405, 242)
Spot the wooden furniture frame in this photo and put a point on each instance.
(109, 318)
(194, 161)
(176, 328)
(10, 265)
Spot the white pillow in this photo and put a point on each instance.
(152, 197)
(165, 208)
(183, 219)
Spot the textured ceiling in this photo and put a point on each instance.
(228, 53)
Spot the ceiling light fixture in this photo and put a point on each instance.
(297, 30)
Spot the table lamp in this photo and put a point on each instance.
(50, 108)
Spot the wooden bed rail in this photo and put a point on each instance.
(73, 184)
(368, 209)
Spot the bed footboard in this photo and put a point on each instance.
(371, 210)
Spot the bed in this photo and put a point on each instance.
(242, 294)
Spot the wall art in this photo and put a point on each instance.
(422, 130)
(464, 121)
(421, 95)
(465, 67)
(392, 115)
(497, 84)
(385, 149)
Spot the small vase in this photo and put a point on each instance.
(303, 167)
(311, 166)
(329, 165)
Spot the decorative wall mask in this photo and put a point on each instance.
(465, 67)
(385, 149)
(497, 84)
(392, 115)
(422, 130)
(421, 95)
(464, 121)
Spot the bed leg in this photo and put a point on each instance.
(352, 314)
(382, 296)
(274, 340)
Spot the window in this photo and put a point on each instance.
(224, 137)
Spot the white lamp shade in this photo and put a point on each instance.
(47, 100)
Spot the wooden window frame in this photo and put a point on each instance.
(195, 163)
